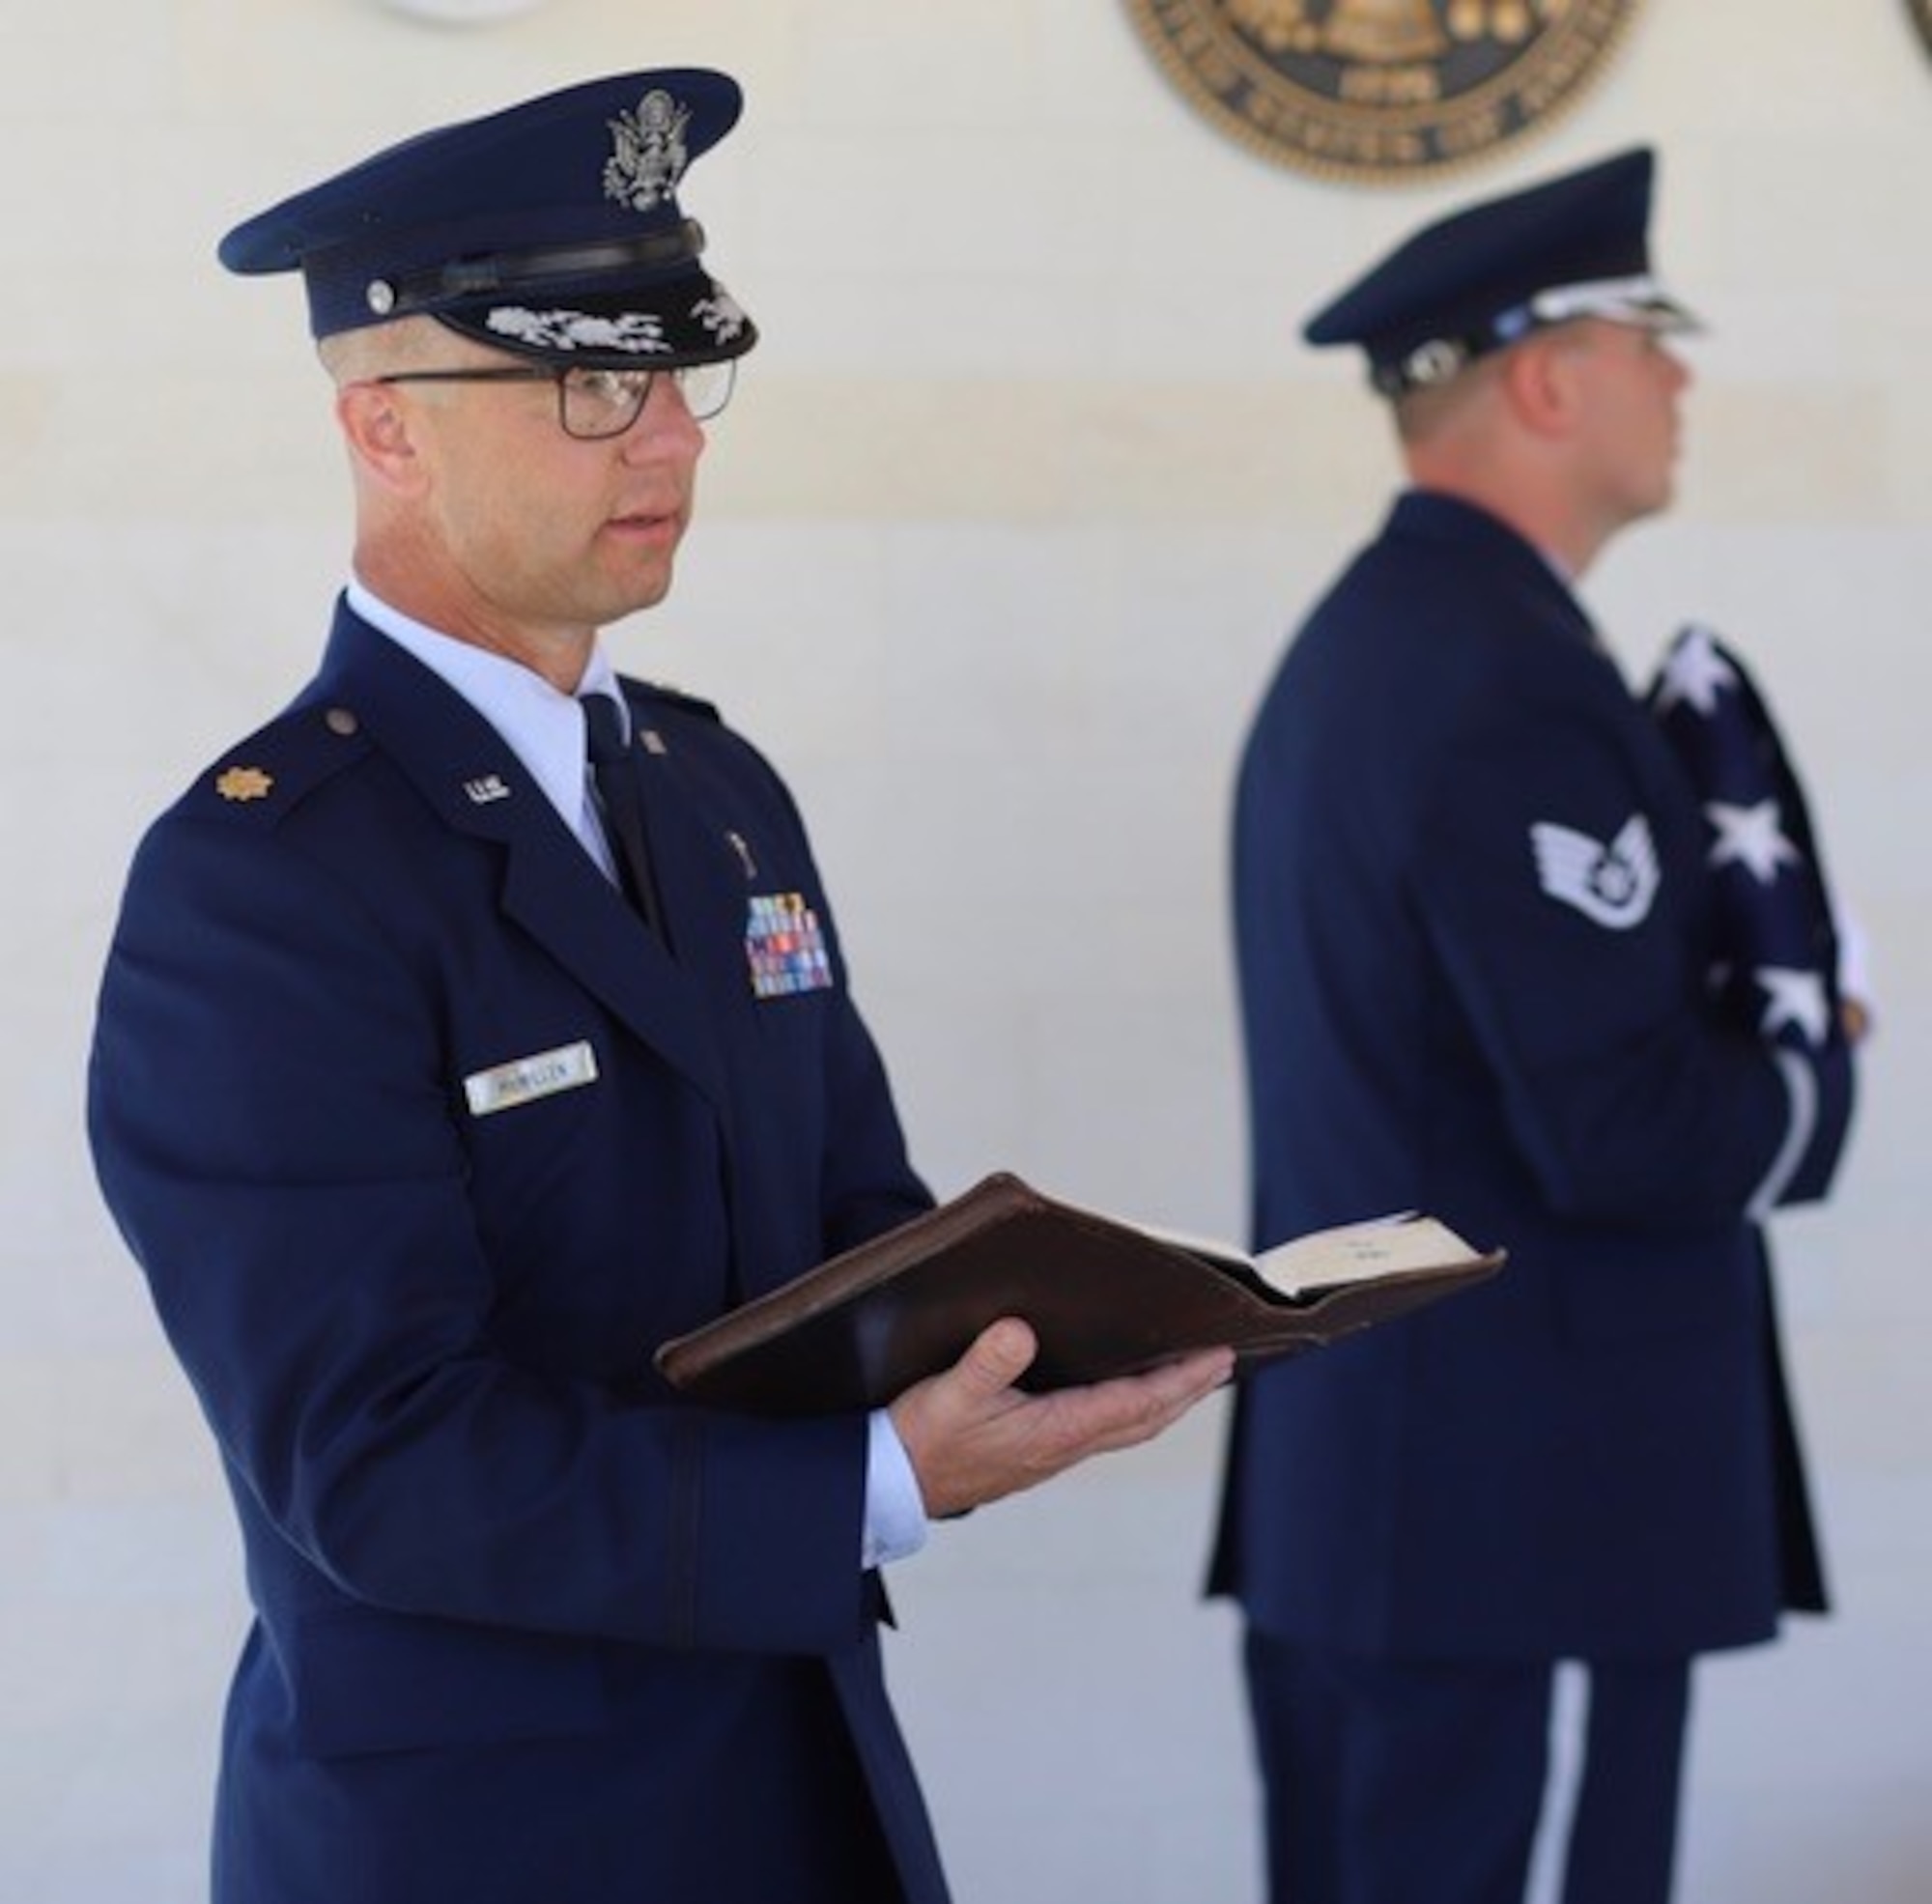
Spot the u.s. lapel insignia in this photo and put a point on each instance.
(244, 783)
(784, 947)
(1612, 884)
(487, 790)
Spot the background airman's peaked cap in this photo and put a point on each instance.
(550, 229)
(1573, 246)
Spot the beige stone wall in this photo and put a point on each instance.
(1002, 534)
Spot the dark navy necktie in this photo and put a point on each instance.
(615, 774)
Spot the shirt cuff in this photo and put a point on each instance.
(896, 1523)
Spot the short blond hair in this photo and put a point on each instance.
(1425, 412)
(380, 350)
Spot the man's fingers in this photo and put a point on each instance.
(1119, 1415)
(972, 1437)
(1185, 1382)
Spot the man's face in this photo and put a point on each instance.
(535, 532)
(1630, 381)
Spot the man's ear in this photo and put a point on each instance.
(377, 424)
(1539, 380)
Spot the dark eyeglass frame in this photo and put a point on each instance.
(704, 403)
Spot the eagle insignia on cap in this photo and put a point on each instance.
(650, 153)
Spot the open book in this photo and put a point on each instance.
(1104, 1297)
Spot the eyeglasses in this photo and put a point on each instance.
(593, 404)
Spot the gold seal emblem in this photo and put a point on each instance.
(1380, 90)
(244, 783)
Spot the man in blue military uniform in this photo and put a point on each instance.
(1475, 932)
(435, 1087)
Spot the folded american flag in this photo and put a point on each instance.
(1776, 942)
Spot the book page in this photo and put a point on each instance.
(1360, 1253)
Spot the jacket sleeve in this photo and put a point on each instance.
(270, 1116)
(1559, 874)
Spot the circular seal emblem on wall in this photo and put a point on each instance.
(1380, 90)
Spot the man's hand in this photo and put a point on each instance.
(972, 1437)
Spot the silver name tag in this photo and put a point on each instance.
(523, 1080)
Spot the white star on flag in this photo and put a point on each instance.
(1694, 672)
(1794, 998)
(1751, 837)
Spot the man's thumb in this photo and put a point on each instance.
(1001, 1354)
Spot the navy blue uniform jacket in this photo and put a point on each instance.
(1474, 934)
(523, 1623)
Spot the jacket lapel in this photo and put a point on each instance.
(468, 773)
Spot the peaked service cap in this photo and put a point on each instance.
(550, 229)
(1573, 247)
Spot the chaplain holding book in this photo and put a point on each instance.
(475, 1026)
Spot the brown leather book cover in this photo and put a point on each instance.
(1104, 1297)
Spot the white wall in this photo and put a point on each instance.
(1002, 534)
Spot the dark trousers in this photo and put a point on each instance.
(1423, 1782)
